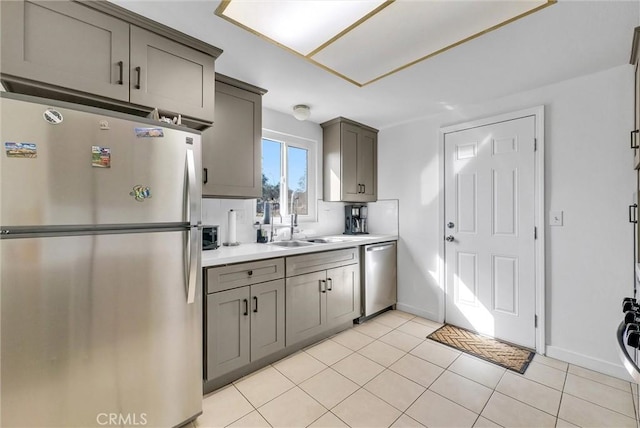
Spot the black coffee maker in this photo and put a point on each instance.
(355, 219)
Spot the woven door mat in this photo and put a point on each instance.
(503, 354)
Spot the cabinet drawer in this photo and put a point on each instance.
(298, 265)
(241, 274)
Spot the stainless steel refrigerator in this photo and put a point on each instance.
(101, 319)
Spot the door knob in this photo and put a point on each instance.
(449, 238)
(450, 225)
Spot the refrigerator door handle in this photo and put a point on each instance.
(193, 189)
(194, 244)
(194, 231)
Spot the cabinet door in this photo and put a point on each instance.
(368, 165)
(66, 44)
(350, 136)
(343, 294)
(305, 306)
(170, 76)
(227, 331)
(267, 318)
(232, 148)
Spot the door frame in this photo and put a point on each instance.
(539, 210)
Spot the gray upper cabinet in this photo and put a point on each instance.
(166, 73)
(350, 161)
(232, 147)
(66, 44)
(92, 51)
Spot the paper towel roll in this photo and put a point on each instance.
(231, 227)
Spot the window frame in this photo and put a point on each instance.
(311, 146)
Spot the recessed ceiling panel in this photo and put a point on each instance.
(409, 31)
(302, 26)
(365, 40)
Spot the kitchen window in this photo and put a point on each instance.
(288, 176)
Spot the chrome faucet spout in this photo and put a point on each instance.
(294, 212)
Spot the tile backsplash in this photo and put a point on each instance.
(383, 218)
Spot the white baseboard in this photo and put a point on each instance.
(602, 366)
(418, 312)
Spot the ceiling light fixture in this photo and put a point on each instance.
(301, 112)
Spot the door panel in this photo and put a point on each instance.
(305, 306)
(228, 325)
(66, 44)
(489, 199)
(232, 146)
(350, 136)
(343, 294)
(267, 318)
(368, 164)
(172, 76)
(91, 322)
(64, 186)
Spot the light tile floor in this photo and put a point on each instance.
(385, 373)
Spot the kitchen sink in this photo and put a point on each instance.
(324, 240)
(292, 243)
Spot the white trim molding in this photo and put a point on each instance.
(539, 216)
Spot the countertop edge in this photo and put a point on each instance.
(253, 251)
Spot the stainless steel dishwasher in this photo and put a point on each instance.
(379, 273)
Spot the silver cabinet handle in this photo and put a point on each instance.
(329, 284)
(323, 288)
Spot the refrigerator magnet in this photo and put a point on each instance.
(149, 132)
(52, 116)
(21, 150)
(100, 157)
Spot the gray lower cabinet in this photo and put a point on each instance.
(71, 47)
(321, 300)
(306, 305)
(343, 294)
(243, 325)
(232, 147)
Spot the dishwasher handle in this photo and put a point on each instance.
(380, 247)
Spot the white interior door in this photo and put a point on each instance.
(489, 229)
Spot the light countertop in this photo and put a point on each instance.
(254, 251)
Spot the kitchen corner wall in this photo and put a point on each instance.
(588, 175)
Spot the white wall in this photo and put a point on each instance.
(589, 175)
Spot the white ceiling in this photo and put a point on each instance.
(565, 40)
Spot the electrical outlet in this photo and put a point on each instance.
(556, 218)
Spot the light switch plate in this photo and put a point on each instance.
(555, 218)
